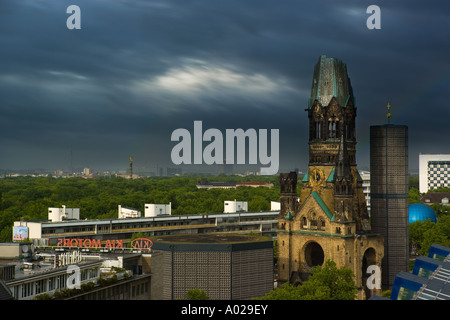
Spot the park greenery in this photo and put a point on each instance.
(29, 198)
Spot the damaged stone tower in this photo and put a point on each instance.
(330, 219)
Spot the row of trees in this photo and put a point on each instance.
(29, 198)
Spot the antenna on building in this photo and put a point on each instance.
(389, 112)
(71, 164)
(131, 167)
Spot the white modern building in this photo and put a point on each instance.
(434, 171)
(155, 210)
(125, 212)
(275, 206)
(365, 176)
(235, 206)
(61, 214)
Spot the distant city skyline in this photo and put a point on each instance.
(138, 70)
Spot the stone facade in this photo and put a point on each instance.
(330, 219)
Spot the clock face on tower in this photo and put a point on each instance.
(316, 176)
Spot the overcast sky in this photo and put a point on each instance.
(139, 69)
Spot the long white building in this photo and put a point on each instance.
(44, 232)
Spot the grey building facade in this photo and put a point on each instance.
(226, 267)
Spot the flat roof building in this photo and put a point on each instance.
(226, 266)
(126, 212)
(60, 214)
(55, 273)
(205, 184)
(235, 206)
(155, 210)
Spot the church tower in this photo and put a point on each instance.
(330, 220)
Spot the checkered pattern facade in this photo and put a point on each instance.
(438, 173)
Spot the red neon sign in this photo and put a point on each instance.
(89, 243)
(141, 243)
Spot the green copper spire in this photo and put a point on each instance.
(331, 80)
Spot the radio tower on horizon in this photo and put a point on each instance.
(131, 168)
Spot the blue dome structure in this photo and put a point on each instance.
(421, 212)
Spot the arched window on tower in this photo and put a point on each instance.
(318, 129)
(332, 127)
(304, 223)
(313, 221)
(321, 224)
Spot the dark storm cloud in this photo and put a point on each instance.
(137, 70)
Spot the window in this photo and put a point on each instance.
(313, 221)
(321, 224)
(15, 292)
(27, 289)
(61, 281)
(332, 127)
(41, 286)
(425, 273)
(405, 294)
(51, 284)
(304, 222)
(318, 130)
